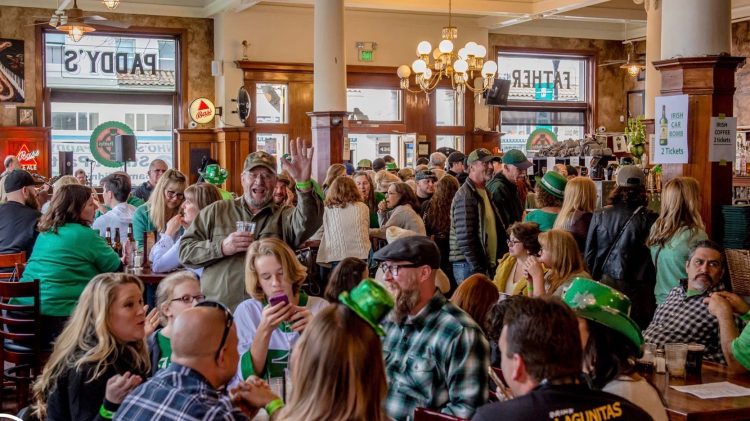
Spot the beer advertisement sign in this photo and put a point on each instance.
(671, 143)
(102, 142)
(202, 111)
(27, 158)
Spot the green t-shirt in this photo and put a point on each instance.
(490, 227)
(670, 264)
(165, 350)
(142, 223)
(64, 262)
(546, 220)
(741, 347)
(374, 223)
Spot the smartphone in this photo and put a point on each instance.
(278, 299)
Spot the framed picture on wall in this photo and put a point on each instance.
(25, 116)
(424, 149)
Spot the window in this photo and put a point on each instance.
(54, 48)
(83, 120)
(63, 121)
(371, 146)
(454, 142)
(166, 55)
(93, 120)
(159, 123)
(548, 99)
(374, 104)
(271, 103)
(273, 143)
(127, 46)
(449, 108)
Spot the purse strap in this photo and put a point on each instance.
(619, 234)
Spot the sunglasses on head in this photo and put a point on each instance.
(227, 324)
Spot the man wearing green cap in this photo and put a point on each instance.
(477, 234)
(503, 188)
(213, 242)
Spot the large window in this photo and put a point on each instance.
(548, 101)
(271, 100)
(374, 104)
(449, 108)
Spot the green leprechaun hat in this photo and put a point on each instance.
(371, 301)
(214, 174)
(603, 304)
(553, 183)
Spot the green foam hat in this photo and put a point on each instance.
(553, 183)
(371, 301)
(603, 304)
(214, 174)
(391, 166)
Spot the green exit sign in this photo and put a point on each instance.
(366, 55)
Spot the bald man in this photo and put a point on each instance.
(204, 359)
(11, 163)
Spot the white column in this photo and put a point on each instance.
(653, 53)
(330, 61)
(695, 28)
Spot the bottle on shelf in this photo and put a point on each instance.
(117, 244)
(108, 236)
(663, 127)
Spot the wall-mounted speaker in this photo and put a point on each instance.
(124, 148)
(65, 161)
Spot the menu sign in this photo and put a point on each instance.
(722, 139)
(672, 146)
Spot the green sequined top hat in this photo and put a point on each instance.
(214, 174)
(603, 304)
(371, 301)
(553, 183)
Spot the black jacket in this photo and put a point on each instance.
(505, 197)
(629, 267)
(468, 238)
(460, 177)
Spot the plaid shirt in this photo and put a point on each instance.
(177, 393)
(437, 359)
(686, 319)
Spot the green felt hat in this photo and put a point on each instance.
(214, 174)
(553, 183)
(371, 301)
(603, 304)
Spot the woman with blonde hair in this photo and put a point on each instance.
(165, 254)
(334, 171)
(175, 294)
(163, 204)
(100, 356)
(563, 261)
(345, 230)
(577, 209)
(677, 228)
(400, 209)
(270, 323)
(337, 371)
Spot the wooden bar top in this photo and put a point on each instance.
(686, 407)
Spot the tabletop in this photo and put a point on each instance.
(685, 407)
(148, 277)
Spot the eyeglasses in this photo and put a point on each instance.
(187, 298)
(393, 269)
(227, 325)
(264, 176)
(511, 243)
(172, 194)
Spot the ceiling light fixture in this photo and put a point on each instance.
(111, 4)
(632, 67)
(76, 31)
(461, 66)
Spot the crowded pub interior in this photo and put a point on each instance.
(371, 210)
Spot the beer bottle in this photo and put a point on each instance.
(130, 234)
(117, 245)
(108, 236)
(132, 246)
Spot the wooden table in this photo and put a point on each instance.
(686, 407)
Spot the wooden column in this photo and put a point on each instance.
(709, 84)
(233, 147)
(329, 128)
(229, 146)
(192, 146)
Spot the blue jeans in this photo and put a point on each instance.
(461, 271)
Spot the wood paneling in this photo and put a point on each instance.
(230, 146)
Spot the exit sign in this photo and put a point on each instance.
(366, 55)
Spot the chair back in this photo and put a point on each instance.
(8, 265)
(424, 414)
(20, 322)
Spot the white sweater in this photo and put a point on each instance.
(345, 233)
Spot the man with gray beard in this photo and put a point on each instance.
(436, 356)
(212, 241)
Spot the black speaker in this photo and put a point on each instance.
(65, 161)
(498, 94)
(124, 148)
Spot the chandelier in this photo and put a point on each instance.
(460, 67)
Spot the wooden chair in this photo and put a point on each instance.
(20, 327)
(8, 265)
(424, 414)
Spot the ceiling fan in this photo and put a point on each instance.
(75, 23)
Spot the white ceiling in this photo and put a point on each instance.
(606, 19)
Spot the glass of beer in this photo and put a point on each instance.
(246, 226)
(676, 356)
(694, 360)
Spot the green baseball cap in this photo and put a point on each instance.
(516, 158)
(364, 164)
(371, 301)
(553, 183)
(391, 166)
(603, 304)
(214, 174)
(481, 154)
(260, 158)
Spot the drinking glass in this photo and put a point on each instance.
(676, 356)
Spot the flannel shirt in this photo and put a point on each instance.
(177, 393)
(686, 319)
(437, 359)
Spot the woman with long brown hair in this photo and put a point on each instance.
(337, 371)
(400, 209)
(678, 226)
(561, 257)
(577, 209)
(437, 220)
(67, 254)
(523, 242)
(334, 171)
(163, 204)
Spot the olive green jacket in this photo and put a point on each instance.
(223, 277)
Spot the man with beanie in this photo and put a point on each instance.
(19, 214)
(436, 356)
(503, 188)
(425, 187)
(457, 166)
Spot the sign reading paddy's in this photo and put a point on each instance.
(102, 142)
(110, 62)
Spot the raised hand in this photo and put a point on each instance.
(300, 164)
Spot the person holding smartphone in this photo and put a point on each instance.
(270, 323)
